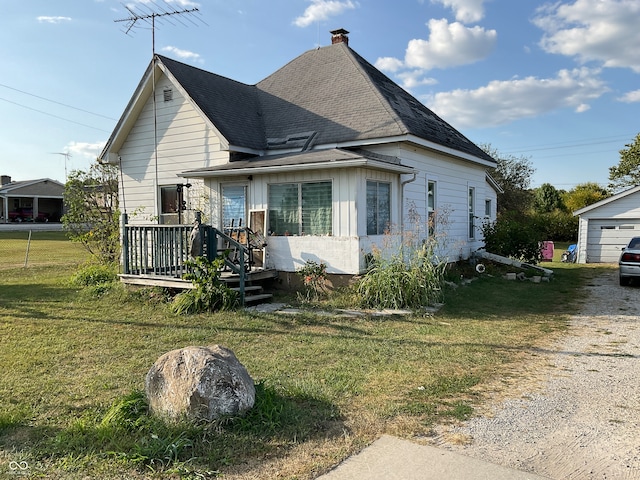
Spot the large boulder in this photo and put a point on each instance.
(199, 383)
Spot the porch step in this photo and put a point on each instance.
(156, 281)
(253, 293)
(254, 275)
(260, 298)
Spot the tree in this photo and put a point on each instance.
(513, 174)
(547, 199)
(627, 172)
(583, 195)
(92, 216)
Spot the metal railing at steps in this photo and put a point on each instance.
(162, 250)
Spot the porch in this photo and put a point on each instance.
(156, 255)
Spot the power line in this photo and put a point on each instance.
(57, 103)
(577, 144)
(54, 116)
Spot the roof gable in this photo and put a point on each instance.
(39, 187)
(607, 201)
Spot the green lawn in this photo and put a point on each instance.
(327, 385)
(40, 248)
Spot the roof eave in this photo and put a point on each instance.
(355, 163)
(410, 138)
(601, 203)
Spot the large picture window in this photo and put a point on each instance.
(300, 208)
(378, 207)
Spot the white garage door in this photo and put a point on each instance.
(607, 237)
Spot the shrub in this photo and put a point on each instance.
(515, 235)
(210, 293)
(314, 276)
(95, 275)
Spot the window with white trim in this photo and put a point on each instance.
(487, 208)
(431, 206)
(300, 208)
(378, 207)
(472, 225)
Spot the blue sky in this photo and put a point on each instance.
(555, 82)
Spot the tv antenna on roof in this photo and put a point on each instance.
(145, 15)
(66, 156)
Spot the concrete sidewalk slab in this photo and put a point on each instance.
(391, 458)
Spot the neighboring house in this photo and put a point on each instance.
(39, 200)
(606, 227)
(325, 155)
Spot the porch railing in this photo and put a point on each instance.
(162, 250)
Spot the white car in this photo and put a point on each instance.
(629, 262)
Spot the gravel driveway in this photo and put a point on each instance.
(582, 420)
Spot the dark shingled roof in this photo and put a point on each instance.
(233, 107)
(331, 91)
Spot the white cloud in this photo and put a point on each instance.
(183, 54)
(389, 64)
(322, 10)
(85, 150)
(415, 78)
(467, 11)
(502, 102)
(630, 97)
(450, 45)
(45, 19)
(605, 31)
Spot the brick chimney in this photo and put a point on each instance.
(5, 180)
(339, 36)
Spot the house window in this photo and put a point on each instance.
(169, 199)
(378, 207)
(487, 208)
(431, 207)
(234, 205)
(472, 226)
(300, 208)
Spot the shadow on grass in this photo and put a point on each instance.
(129, 435)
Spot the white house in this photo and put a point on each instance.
(324, 156)
(605, 227)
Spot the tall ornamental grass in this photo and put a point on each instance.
(407, 271)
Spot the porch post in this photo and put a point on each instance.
(124, 242)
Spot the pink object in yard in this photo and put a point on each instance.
(547, 251)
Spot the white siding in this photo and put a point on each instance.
(604, 230)
(185, 142)
(342, 250)
(454, 178)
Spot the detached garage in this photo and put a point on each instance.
(607, 226)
